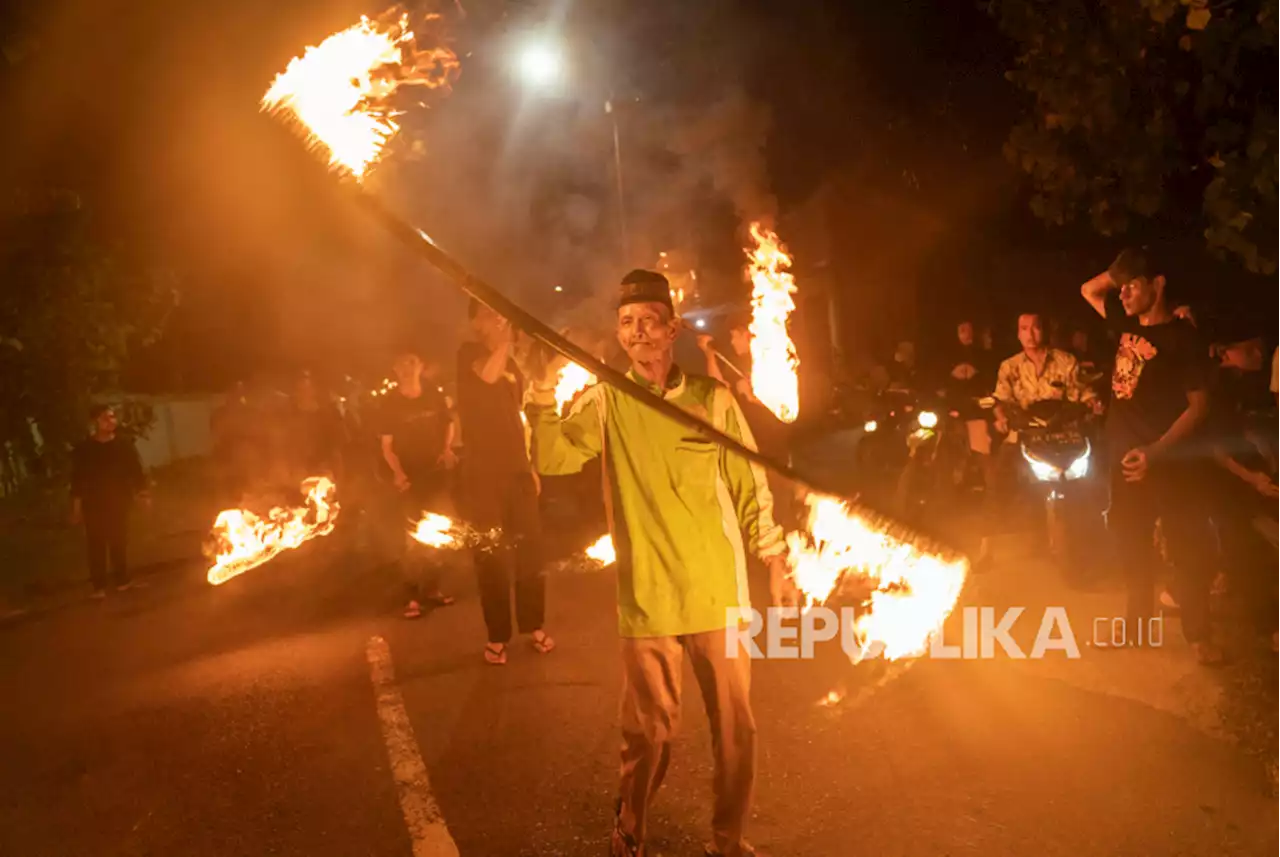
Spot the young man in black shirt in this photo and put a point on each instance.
(499, 488)
(1160, 401)
(106, 476)
(415, 431)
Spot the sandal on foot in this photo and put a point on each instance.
(623, 844)
(542, 642)
(413, 610)
(744, 849)
(440, 599)
(495, 653)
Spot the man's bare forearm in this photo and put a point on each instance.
(1095, 291)
(449, 435)
(390, 457)
(1185, 424)
(491, 368)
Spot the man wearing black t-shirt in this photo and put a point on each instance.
(498, 488)
(415, 429)
(106, 477)
(1160, 401)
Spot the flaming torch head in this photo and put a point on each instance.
(340, 91)
(435, 530)
(243, 540)
(913, 589)
(570, 380)
(773, 354)
(601, 550)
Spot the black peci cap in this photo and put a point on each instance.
(645, 287)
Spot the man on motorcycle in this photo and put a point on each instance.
(968, 378)
(1037, 373)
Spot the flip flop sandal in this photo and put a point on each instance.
(542, 645)
(440, 599)
(623, 845)
(495, 654)
(413, 611)
(746, 851)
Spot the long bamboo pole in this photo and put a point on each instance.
(419, 242)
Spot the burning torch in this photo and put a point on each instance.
(338, 94)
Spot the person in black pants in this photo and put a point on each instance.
(499, 488)
(106, 476)
(1159, 459)
(415, 432)
(1245, 489)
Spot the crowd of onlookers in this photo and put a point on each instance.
(1188, 445)
(1189, 408)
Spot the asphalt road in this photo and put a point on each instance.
(184, 719)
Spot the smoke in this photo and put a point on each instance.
(724, 145)
(529, 198)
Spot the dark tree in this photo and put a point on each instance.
(1155, 115)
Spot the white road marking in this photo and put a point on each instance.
(422, 815)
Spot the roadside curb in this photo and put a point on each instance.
(75, 592)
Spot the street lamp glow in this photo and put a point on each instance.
(540, 64)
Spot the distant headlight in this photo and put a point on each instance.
(1079, 468)
(1042, 470)
(927, 419)
(870, 426)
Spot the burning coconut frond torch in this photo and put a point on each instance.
(338, 94)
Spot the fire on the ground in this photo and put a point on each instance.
(242, 540)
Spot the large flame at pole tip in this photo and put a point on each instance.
(914, 590)
(341, 89)
(773, 354)
(242, 540)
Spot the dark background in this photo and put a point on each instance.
(888, 117)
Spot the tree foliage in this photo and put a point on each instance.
(72, 309)
(1151, 112)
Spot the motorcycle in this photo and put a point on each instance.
(927, 446)
(1054, 439)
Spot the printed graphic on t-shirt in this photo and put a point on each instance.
(1131, 357)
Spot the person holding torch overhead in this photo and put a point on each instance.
(683, 513)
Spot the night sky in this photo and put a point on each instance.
(151, 111)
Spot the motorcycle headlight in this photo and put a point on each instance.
(927, 419)
(1042, 470)
(1079, 468)
(869, 426)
